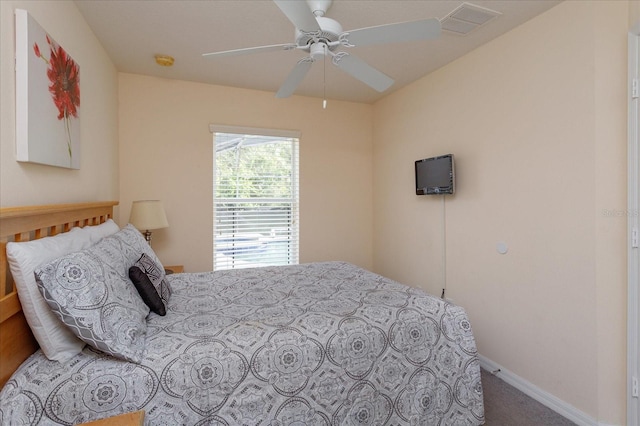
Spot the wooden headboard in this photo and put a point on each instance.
(24, 224)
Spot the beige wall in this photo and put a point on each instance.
(634, 13)
(166, 153)
(97, 179)
(537, 122)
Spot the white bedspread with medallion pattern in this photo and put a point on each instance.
(314, 344)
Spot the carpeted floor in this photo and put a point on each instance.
(504, 405)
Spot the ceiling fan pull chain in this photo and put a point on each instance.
(324, 78)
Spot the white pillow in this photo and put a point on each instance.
(98, 232)
(55, 339)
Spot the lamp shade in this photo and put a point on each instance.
(148, 214)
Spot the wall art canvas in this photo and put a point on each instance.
(47, 98)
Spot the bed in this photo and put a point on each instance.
(313, 344)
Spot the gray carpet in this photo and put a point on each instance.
(504, 405)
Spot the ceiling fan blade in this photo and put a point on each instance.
(250, 50)
(364, 72)
(393, 33)
(299, 13)
(295, 77)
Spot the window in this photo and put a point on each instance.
(255, 199)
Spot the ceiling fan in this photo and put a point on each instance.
(321, 36)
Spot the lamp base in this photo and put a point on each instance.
(147, 236)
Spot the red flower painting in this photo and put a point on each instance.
(64, 78)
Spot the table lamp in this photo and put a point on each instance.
(148, 215)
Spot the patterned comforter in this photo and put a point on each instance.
(314, 344)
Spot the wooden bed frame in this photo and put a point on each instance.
(24, 224)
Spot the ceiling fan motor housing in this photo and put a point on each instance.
(330, 31)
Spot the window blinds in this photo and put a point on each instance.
(256, 201)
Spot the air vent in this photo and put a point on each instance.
(466, 18)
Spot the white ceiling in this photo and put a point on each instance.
(134, 31)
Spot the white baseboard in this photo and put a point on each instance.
(545, 398)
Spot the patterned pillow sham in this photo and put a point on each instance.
(55, 339)
(91, 293)
(147, 291)
(156, 275)
(132, 243)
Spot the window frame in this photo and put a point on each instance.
(295, 200)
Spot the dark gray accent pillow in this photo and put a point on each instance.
(156, 274)
(91, 293)
(147, 291)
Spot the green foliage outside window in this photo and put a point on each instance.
(255, 171)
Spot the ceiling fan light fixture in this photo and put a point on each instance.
(318, 50)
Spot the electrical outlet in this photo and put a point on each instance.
(634, 387)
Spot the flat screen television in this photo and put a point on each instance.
(435, 175)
